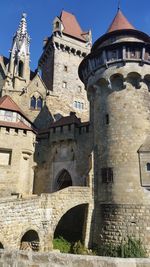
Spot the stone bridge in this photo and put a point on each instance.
(40, 214)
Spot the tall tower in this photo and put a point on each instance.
(18, 70)
(62, 54)
(117, 79)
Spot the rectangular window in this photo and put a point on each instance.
(107, 175)
(64, 84)
(5, 157)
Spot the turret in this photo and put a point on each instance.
(117, 80)
(19, 70)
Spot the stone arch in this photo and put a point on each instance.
(71, 225)
(134, 79)
(117, 81)
(30, 240)
(147, 81)
(63, 180)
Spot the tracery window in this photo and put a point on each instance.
(36, 102)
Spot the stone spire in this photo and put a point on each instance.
(19, 69)
(21, 40)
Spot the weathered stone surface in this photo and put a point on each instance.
(68, 260)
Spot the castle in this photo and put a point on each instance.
(74, 158)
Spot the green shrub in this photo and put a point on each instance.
(61, 244)
(79, 248)
(133, 248)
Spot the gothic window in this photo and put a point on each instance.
(64, 180)
(107, 175)
(20, 69)
(33, 102)
(39, 102)
(148, 166)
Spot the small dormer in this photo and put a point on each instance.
(57, 26)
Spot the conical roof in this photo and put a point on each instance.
(120, 22)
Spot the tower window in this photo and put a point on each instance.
(64, 84)
(78, 105)
(65, 68)
(107, 119)
(57, 25)
(107, 175)
(113, 54)
(148, 166)
(39, 102)
(20, 69)
(33, 102)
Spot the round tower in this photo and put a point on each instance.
(117, 79)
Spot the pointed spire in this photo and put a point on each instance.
(22, 31)
(21, 39)
(120, 22)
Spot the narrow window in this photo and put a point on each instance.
(33, 102)
(148, 166)
(20, 69)
(113, 54)
(107, 119)
(64, 84)
(39, 102)
(132, 53)
(65, 68)
(107, 175)
(57, 24)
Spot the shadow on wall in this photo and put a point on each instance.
(72, 224)
(44, 118)
(30, 241)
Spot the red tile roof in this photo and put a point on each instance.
(7, 103)
(120, 22)
(17, 125)
(71, 26)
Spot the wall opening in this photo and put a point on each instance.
(20, 69)
(1, 246)
(30, 241)
(72, 224)
(64, 180)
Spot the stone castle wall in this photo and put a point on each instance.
(17, 163)
(41, 214)
(24, 259)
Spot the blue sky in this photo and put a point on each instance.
(95, 15)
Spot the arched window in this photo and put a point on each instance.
(39, 102)
(20, 69)
(33, 102)
(64, 180)
(30, 240)
(57, 25)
